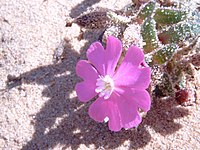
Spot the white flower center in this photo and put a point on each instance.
(105, 86)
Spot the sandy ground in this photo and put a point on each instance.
(38, 106)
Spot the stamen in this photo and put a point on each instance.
(105, 86)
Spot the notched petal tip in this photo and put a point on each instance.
(94, 46)
(85, 91)
(97, 110)
(113, 44)
(112, 39)
(113, 53)
(144, 100)
(147, 77)
(134, 55)
(96, 55)
(86, 71)
(135, 123)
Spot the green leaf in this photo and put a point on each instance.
(164, 54)
(149, 35)
(147, 10)
(168, 16)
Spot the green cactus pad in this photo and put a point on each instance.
(169, 16)
(179, 32)
(147, 10)
(118, 19)
(164, 54)
(175, 70)
(149, 35)
(165, 87)
(195, 28)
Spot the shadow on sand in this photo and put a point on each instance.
(75, 127)
(82, 7)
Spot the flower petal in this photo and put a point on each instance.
(134, 55)
(101, 109)
(131, 73)
(134, 123)
(140, 98)
(96, 55)
(122, 112)
(128, 111)
(97, 110)
(86, 71)
(85, 90)
(113, 53)
(132, 76)
(105, 61)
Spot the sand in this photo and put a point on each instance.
(38, 106)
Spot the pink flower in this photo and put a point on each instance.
(120, 92)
